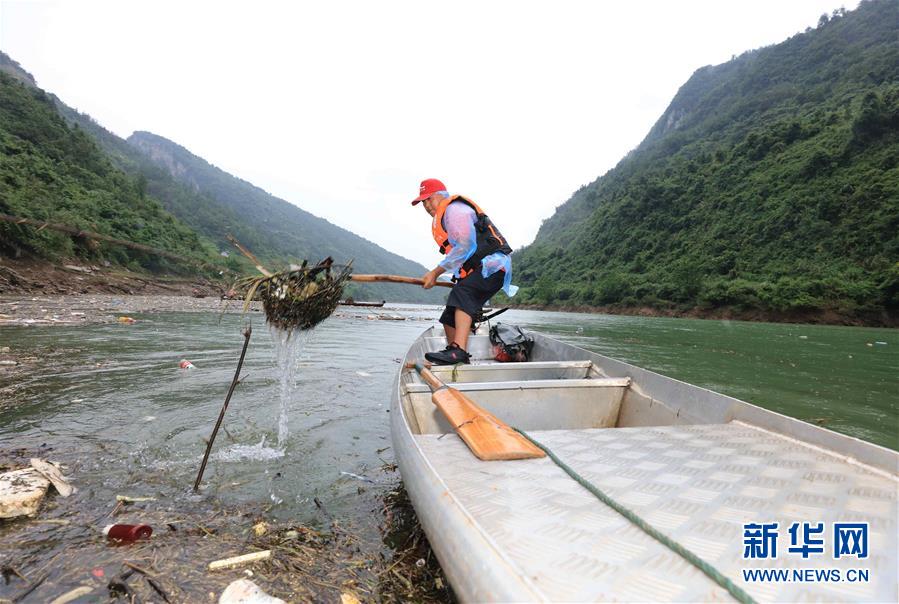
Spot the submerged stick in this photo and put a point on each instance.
(21, 595)
(127, 499)
(246, 335)
(76, 593)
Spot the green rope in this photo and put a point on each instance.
(709, 570)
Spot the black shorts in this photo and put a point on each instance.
(470, 294)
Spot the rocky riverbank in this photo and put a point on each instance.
(24, 276)
(104, 308)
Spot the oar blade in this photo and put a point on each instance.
(488, 438)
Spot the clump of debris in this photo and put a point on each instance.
(63, 544)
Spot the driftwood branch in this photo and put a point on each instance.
(76, 232)
(246, 335)
(249, 255)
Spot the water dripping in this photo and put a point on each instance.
(288, 347)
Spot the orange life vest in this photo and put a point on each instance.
(489, 239)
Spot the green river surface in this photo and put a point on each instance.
(121, 404)
(125, 419)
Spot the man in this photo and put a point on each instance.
(477, 256)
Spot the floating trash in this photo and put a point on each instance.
(128, 532)
(244, 591)
(260, 528)
(185, 364)
(21, 492)
(51, 472)
(357, 477)
(129, 499)
(298, 298)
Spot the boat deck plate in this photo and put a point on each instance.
(699, 484)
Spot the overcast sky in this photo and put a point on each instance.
(343, 107)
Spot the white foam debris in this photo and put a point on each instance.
(244, 591)
(21, 492)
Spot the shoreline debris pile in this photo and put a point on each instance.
(201, 550)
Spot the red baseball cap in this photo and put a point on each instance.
(428, 187)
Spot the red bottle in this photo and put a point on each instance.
(128, 532)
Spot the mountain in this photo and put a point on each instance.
(770, 184)
(275, 230)
(200, 199)
(51, 171)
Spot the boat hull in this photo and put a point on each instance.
(696, 464)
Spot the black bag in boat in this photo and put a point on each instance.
(510, 344)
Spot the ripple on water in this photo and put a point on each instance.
(257, 452)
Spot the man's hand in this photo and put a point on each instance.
(430, 277)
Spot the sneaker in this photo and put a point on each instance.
(451, 355)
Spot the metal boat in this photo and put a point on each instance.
(745, 489)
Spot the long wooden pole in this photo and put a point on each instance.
(246, 335)
(363, 278)
(395, 279)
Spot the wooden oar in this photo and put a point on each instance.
(489, 438)
(396, 279)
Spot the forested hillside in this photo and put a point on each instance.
(198, 204)
(771, 183)
(54, 172)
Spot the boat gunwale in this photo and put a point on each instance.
(530, 384)
(526, 589)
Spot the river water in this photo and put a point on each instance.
(122, 405)
(127, 420)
